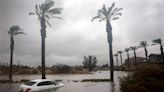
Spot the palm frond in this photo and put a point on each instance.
(143, 44)
(116, 55)
(47, 22)
(119, 14)
(14, 30)
(47, 5)
(31, 13)
(115, 18)
(47, 17)
(110, 9)
(133, 47)
(127, 49)
(55, 11)
(153, 44)
(96, 17)
(116, 10)
(56, 17)
(120, 52)
(104, 11)
(102, 19)
(158, 41)
(17, 33)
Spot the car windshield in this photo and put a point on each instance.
(30, 83)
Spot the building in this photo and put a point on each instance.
(132, 60)
(155, 58)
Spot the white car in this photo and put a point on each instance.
(39, 85)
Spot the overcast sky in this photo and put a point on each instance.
(69, 40)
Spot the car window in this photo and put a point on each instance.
(45, 83)
(30, 83)
(55, 83)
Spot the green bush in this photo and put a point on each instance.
(148, 78)
(6, 81)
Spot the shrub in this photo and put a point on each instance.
(148, 78)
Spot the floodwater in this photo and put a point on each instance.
(70, 84)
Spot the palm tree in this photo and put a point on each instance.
(14, 30)
(134, 48)
(144, 45)
(116, 55)
(109, 14)
(45, 11)
(120, 52)
(159, 41)
(127, 51)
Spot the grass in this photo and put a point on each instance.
(147, 78)
(11, 81)
(95, 80)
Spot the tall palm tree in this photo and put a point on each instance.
(144, 45)
(127, 51)
(159, 41)
(120, 52)
(116, 55)
(134, 48)
(45, 11)
(109, 14)
(13, 31)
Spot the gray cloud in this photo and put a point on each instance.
(76, 36)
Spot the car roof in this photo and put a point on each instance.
(40, 80)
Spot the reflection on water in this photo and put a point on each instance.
(71, 86)
(112, 87)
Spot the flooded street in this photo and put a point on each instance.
(70, 85)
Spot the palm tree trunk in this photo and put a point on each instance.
(128, 59)
(111, 62)
(135, 61)
(146, 54)
(43, 36)
(43, 58)
(109, 34)
(162, 54)
(117, 62)
(121, 61)
(11, 57)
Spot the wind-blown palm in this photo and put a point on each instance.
(116, 55)
(159, 41)
(109, 14)
(144, 45)
(14, 30)
(120, 52)
(134, 48)
(127, 51)
(45, 11)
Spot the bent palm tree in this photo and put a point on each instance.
(134, 48)
(127, 51)
(144, 45)
(116, 55)
(14, 30)
(45, 11)
(109, 14)
(159, 41)
(120, 52)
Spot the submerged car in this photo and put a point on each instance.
(39, 85)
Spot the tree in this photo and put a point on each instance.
(90, 62)
(134, 48)
(159, 41)
(109, 14)
(116, 55)
(127, 52)
(120, 52)
(45, 11)
(144, 45)
(13, 31)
